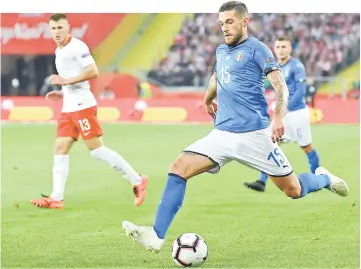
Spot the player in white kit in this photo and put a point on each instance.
(75, 66)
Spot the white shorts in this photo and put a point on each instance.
(298, 127)
(254, 149)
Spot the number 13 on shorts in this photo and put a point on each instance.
(87, 123)
(84, 125)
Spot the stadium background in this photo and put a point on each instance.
(171, 57)
(156, 67)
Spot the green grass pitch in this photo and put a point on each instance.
(242, 228)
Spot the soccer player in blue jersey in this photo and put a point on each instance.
(242, 131)
(297, 119)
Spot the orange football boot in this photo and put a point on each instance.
(48, 202)
(140, 191)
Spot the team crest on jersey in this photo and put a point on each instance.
(240, 55)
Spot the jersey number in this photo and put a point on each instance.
(226, 76)
(276, 156)
(84, 124)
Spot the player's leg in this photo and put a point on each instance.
(289, 136)
(261, 153)
(186, 166)
(304, 137)
(91, 131)
(203, 155)
(312, 156)
(66, 136)
(299, 186)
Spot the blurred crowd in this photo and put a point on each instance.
(325, 43)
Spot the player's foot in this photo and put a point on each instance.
(48, 202)
(257, 185)
(143, 235)
(338, 185)
(140, 191)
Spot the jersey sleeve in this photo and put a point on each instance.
(265, 59)
(83, 55)
(299, 73)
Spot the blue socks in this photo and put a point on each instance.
(170, 203)
(313, 160)
(311, 182)
(263, 177)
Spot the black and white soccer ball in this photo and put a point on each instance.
(189, 249)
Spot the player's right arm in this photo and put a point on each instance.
(211, 90)
(54, 95)
(210, 95)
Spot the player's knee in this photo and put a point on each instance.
(307, 148)
(179, 167)
(94, 143)
(63, 145)
(293, 192)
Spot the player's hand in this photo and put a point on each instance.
(212, 108)
(54, 95)
(57, 80)
(278, 129)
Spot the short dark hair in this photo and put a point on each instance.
(234, 5)
(285, 38)
(58, 17)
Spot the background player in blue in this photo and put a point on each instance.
(242, 130)
(297, 118)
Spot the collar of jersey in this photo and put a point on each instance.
(67, 41)
(244, 41)
(287, 62)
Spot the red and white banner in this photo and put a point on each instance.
(30, 33)
(35, 109)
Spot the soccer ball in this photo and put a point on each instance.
(189, 249)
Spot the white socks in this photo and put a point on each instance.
(61, 169)
(117, 162)
(60, 174)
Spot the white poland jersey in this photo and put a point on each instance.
(70, 62)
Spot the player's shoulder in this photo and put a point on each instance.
(296, 63)
(221, 47)
(76, 43)
(257, 44)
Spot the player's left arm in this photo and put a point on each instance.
(278, 83)
(299, 75)
(86, 60)
(265, 59)
(89, 72)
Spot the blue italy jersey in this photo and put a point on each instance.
(241, 70)
(295, 76)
